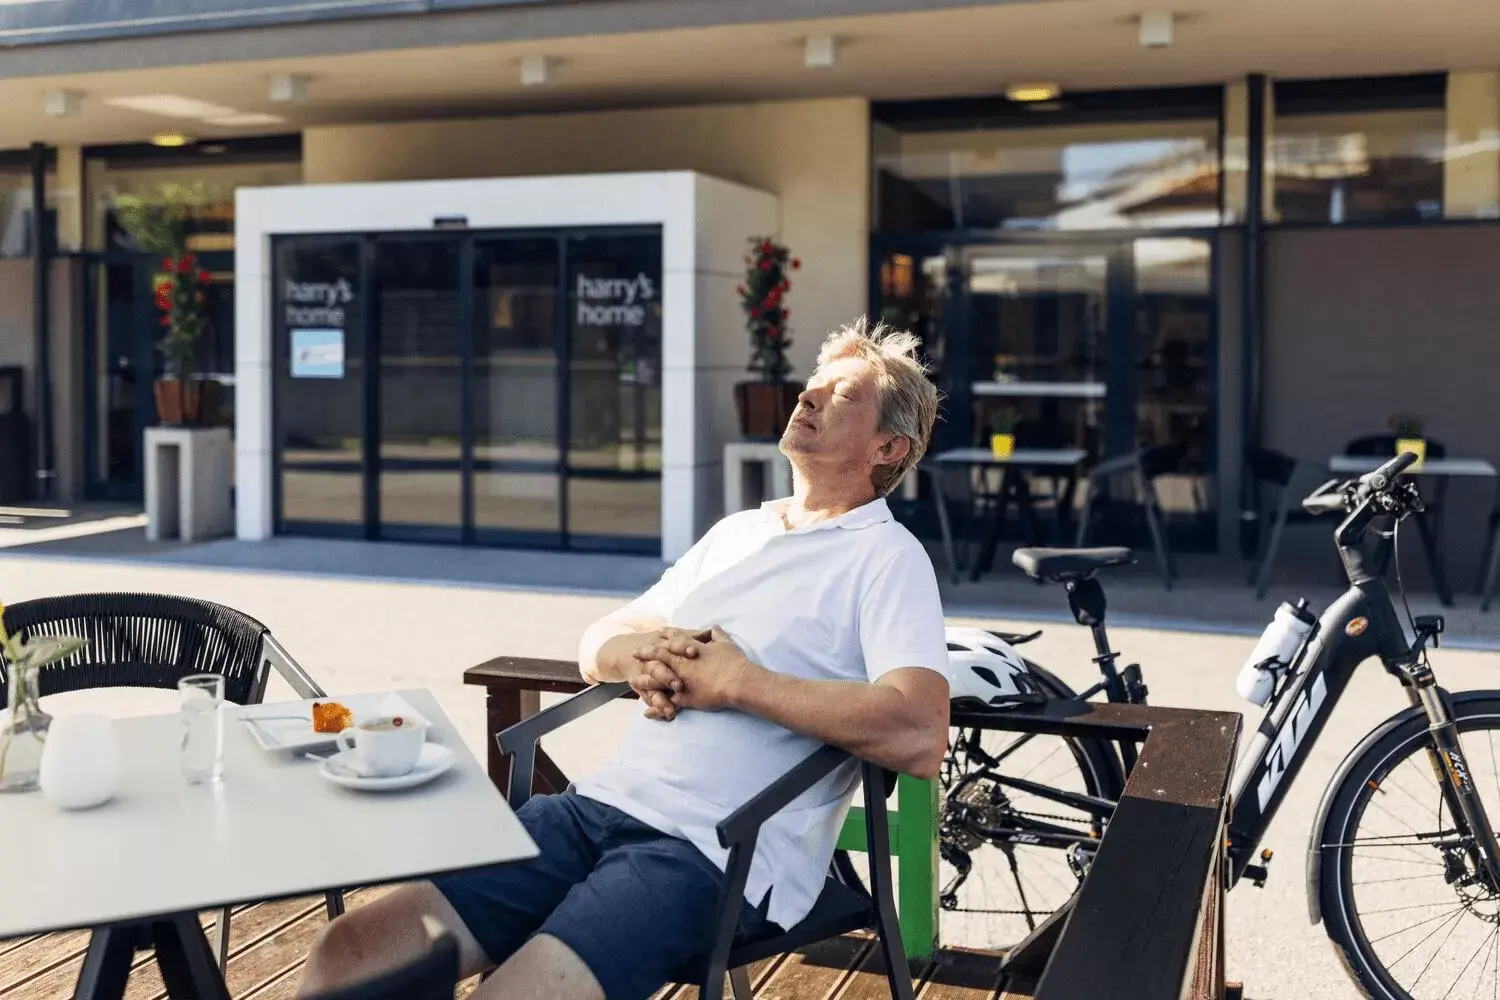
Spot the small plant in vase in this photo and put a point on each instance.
(23, 733)
(159, 221)
(766, 405)
(1409, 435)
(1002, 435)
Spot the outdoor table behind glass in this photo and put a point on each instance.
(271, 829)
(1013, 487)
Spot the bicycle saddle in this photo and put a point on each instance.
(1065, 565)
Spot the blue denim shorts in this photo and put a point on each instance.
(635, 904)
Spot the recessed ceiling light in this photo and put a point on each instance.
(1032, 91)
(244, 118)
(63, 103)
(537, 71)
(820, 52)
(172, 106)
(288, 87)
(170, 139)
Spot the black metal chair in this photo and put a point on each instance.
(152, 641)
(845, 904)
(434, 976)
(1139, 470)
(1276, 505)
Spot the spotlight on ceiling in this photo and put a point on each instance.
(1031, 92)
(537, 71)
(1156, 29)
(288, 87)
(63, 103)
(820, 52)
(171, 139)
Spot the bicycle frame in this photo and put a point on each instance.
(1360, 625)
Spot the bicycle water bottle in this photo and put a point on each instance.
(1277, 648)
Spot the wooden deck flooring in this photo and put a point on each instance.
(270, 941)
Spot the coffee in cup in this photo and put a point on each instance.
(384, 747)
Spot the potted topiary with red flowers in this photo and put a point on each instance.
(766, 404)
(159, 221)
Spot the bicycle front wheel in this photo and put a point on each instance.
(1402, 900)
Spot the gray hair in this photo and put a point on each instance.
(907, 400)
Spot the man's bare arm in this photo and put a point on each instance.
(900, 721)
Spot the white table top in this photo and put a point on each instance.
(1060, 390)
(1358, 465)
(271, 829)
(1063, 457)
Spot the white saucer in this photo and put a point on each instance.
(435, 760)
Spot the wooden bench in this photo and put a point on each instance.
(514, 686)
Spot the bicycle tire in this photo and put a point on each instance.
(1392, 743)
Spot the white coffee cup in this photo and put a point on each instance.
(81, 762)
(385, 747)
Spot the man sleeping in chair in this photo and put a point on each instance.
(813, 619)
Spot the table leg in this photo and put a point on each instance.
(985, 560)
(1065, 501)
(934, 479)
(187, 964)
(1435, 560)
(106, 964)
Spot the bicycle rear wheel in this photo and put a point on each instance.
(1005, 845)
(1401, 898)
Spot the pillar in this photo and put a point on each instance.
(1471, 168)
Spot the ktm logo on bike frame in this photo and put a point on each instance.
(1356, 627)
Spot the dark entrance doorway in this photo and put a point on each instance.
(1105, 344)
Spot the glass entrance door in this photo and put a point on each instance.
(420, 338)
(514, 396)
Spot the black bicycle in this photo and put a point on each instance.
(1404, 871)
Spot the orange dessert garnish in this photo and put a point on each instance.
(331, 717)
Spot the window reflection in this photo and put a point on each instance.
(1055, 177)
(1377, 166)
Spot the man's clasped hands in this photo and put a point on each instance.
(676, 668)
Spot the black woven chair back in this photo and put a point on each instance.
(1267, 465)
(141, 640)
(1384, 445)
(434, 976)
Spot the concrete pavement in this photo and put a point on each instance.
(364, 634)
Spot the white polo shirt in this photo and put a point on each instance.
(848, 599)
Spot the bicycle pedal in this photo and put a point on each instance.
(1257, 874)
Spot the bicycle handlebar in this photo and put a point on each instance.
(1336, 497)
(1380, 480)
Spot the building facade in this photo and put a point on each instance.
(1113, 228)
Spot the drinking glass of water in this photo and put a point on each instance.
(202, 727)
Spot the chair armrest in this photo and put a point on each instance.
(529, 730)
(745, 822)
(1115, 466)
(519, 741)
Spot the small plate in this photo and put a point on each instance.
(287, 726)
(435, 760)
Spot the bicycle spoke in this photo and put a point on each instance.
(1400, 909)
(1412, 927)
(1439, 948)
(1455, 915)
(1484, 947)
(1403, 878)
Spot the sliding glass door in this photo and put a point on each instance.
(515, 396)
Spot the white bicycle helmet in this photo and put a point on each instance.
(985, 667)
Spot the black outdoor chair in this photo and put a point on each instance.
(1139, 470)
(845, 904)
(153, 641)
(433, 976)
(1276, 505)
